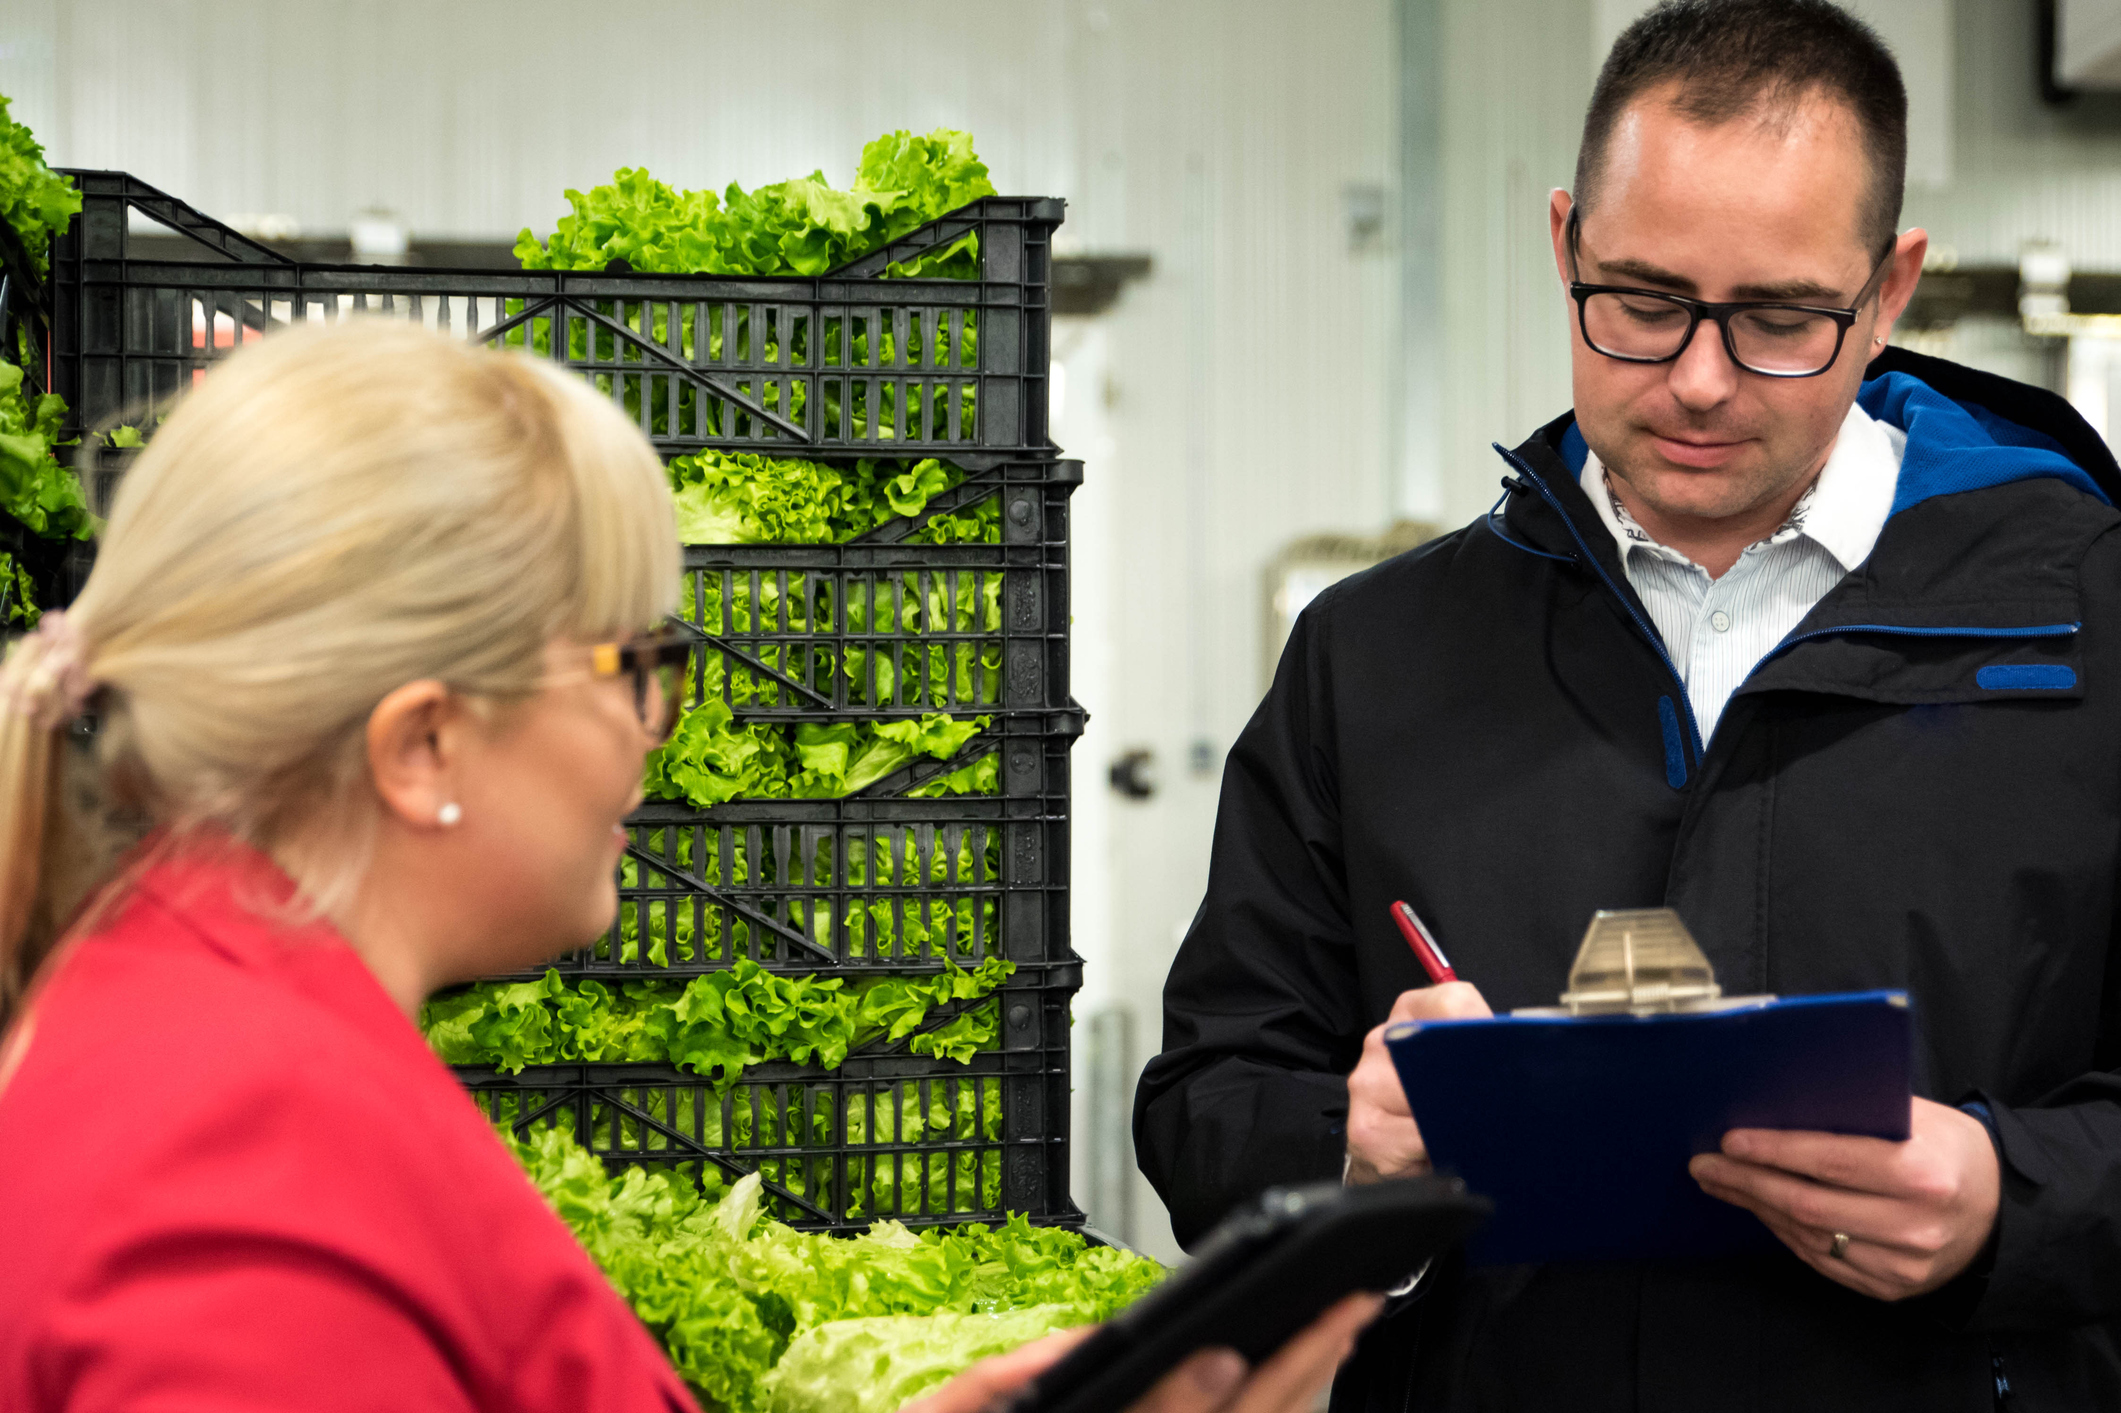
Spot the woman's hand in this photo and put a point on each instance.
(1212, 1381)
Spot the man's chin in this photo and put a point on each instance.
(1678, 493)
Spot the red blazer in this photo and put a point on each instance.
(233, 1176)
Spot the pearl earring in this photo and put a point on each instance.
(449, 813)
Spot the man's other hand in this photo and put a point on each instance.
(1916, 1213)
(1383, 1141)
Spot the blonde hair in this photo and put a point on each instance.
(334, 512)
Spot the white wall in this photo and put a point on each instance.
(470, 117)
(1245, 397)
(1515, 82)
(2022, 170)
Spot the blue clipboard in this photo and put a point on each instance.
(1579, 1128)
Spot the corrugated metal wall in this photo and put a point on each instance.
(2022, 170)
(1516, 76)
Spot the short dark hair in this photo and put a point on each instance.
(1732, 58)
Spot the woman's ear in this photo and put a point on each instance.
(412, 744)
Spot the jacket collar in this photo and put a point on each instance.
(209, 890)
(1842, 512)
(1947, 556)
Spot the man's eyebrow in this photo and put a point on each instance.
(1643, 272)
(1794, 291)
(1790, 291)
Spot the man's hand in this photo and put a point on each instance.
(1916, 1213)
(1212, 1381)
(1382, 1139)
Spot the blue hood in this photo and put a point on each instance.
(1956, 446)
(1951, 446)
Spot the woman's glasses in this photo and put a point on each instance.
(658, 665)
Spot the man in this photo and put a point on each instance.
(1831, 666)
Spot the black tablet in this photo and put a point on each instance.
(1265, 1274)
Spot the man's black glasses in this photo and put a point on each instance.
(1771, 338)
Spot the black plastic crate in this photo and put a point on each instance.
(886, 628)
(13, 538)
(876, 883)
(845, 363)
(886, 1134)
(50, 564)
(882, 627)
(25, 341)
(870, 882)
(25, 319)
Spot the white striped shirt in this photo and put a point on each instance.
(1717, 630)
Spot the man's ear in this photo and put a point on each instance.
(1559, 204)
(411, 741)
(1908, 254)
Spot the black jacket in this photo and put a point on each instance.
(1920, 789)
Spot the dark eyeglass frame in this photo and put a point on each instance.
(1721, 314)
(640, 657)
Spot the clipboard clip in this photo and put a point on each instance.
(1642, 962)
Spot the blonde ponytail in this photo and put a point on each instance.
(28, 755)
(333, 513)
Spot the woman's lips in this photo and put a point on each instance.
(1701, 455)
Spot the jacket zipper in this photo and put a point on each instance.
(1649, 634)
(2030, 630)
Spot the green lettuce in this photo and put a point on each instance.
(715, 1025)
(712, 756)
(742, 498)
(18, 595)
(34, 487)
(733, 1294)
(34, 199)
(798, 227)
(874, 1364)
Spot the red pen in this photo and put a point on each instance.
(1423, 942)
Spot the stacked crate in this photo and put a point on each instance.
(47, 564)
(853, 363)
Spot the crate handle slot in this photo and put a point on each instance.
(750, 914)
(723, 645)
(722, 1161)
(686, 370)
(558, 1101)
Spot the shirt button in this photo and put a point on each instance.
(1720, 621)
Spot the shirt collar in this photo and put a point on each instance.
(1842, 513)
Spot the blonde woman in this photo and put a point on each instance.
(371, 650)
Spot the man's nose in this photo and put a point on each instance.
(1703, 376)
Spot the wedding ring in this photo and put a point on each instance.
(1841, 1246)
